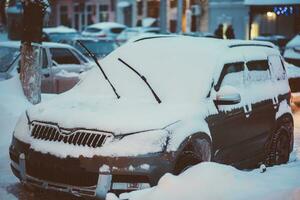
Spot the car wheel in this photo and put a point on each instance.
(196, 152)
(280, 144)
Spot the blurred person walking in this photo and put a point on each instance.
(219, 32)
(229, 33)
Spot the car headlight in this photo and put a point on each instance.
(136, 144)
(22, 129)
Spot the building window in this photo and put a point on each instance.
(103, 13)
(91, 13)
(64, 20)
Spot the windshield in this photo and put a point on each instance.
(99, 48)
(8, 55)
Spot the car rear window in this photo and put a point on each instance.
(93, 30)
(117, 30)
(63, 56)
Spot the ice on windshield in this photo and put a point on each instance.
(7, 57)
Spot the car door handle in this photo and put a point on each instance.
(46, 75)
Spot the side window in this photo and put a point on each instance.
(45, 59)
(232, 74)
(258, 70)
(277, 67)
(63, 56)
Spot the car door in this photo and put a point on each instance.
(263, 102)
(229, 127)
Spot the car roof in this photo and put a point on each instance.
(183, 61)
(16, 44)
(59, 29)
(107, 25)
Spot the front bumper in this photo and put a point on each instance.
(83, 176)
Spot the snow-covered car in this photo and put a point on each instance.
(98, 46)
(292, 51)
(129, 33)
(292, 56)
(159, 104)
(104, 30)
(61, 65)
(61, 34)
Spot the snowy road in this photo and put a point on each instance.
(287, 176)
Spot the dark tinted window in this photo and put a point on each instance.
(93, 30)
(63, 56)
(258, 65)
(117, 30)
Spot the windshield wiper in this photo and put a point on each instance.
(98, 64)
(143, 78)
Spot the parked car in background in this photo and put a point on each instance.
(292, 51)
(104, 30)
(279, 40)
(172, 112)
(61, 65)
(129, 33)
(98, 46)
(61, 34)
(292, 56)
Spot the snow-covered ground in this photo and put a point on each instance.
(204, 181)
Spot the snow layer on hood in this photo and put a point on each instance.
(200, 182)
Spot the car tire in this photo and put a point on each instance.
(280, 144)
(196, 152)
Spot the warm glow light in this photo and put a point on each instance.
(271, 15)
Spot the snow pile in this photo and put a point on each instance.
(13, 103)
(215, 181)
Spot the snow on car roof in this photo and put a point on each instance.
(179, 68)
(106, 25)
(16, 44)
(59, 29)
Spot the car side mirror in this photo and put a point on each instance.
(227, 95)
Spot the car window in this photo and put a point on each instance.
(45, 60)
(81, 57)
(259, 70)
(93, 30)
(116, 30)
(232, 74)
(277, 67)
(63, 56)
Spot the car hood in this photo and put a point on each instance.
(118, 116)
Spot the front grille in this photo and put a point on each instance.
(51, 132)
(64, 171)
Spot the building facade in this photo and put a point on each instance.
(229, 12)
(81, 13)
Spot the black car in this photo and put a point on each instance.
(170, 103)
